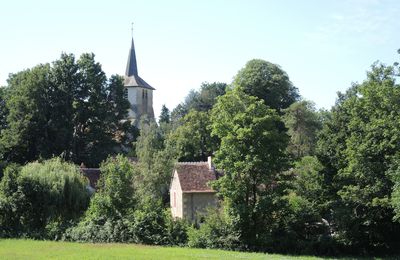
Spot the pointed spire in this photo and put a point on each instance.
(131, 66)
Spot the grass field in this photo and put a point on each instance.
(30, 249)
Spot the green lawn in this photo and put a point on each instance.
(30, 249)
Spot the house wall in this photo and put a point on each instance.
(197, 203)
(176, 200)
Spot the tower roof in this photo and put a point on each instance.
(132, 78)
(131, 66)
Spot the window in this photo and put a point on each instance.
(174, 199)
(143, 93)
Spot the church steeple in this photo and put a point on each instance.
(131, 66)
(132, 78)
(139, 92)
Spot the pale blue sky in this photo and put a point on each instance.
(322, 45)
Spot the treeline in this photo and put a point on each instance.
(296, 180)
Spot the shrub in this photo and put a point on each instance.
(41, 200)
(177, 229)
(150, 224)
(110, 214)
(215, 232)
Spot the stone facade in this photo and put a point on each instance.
(195, 204)
(141, 100)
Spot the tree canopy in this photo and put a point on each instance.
(68, 108)
(357, 146)
(268, 82)
(252, 155)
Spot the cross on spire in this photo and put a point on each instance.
(132, 29)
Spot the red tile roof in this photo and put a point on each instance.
(195, 176)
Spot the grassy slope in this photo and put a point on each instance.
(29, 249)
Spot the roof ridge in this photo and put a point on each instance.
(192, 163)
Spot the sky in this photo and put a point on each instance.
(323, 46)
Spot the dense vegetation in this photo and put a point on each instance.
(296, 180)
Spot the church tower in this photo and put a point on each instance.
(140, 93)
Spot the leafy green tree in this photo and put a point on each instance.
(268, 82)
(303, 124)
(192, 139)
(41, 199)
(3, 123)
(202, 100)
(165, 116)
(156, 162)
(68, 108)
(305, 227)
(110, 215)
(25, 137)
(357, 146)
(252, 155)
(3, 109)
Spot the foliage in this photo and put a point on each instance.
(110, 215)
(177, 229)
(303, 124)
(252, 156)
(192, 139)
(202, 100)
(41, 199)
(394, 173)
(150, 224)
(215, 232)
(357, 147)
(68, 108)
(305, 228)
(165, 115)
(3, 109)
(155, 163)
(268, 82)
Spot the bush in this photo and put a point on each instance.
(177, 229)
(215, 232)
(41, 200)
(150, 224)
(110, 214)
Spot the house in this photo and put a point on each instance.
(190, 191)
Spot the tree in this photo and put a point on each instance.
(68, 108)
(165, 116)
(155, 162)
(268, 82)
(303, 124)
(305, 228)
(358, 146)
(252, 155)
(110, 215)
(3, 109)
(41, 200)
(202, 100)
(192, 139)
(25, 137)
